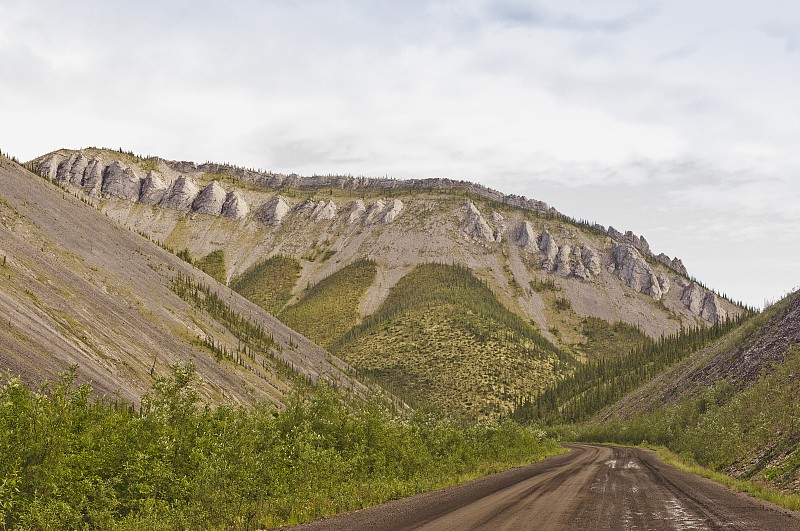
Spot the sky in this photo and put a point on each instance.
(678, 120)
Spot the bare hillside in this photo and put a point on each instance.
(77, 288)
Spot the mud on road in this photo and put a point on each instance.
(600, 488)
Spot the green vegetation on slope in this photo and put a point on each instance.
(601, 382)
(753, 434)
(69, 463)
(331, 307)
(255, 349)
(442, 337)
(269, 283)
(734, 407)
(213, 264)
(604, 340)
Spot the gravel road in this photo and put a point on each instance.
(594, 487)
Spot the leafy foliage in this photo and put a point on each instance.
(442, 338)
(331, 307)
(269, 283)
(68, 463)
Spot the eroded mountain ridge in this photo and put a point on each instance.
(360, 216)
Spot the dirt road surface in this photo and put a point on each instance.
(592, 488)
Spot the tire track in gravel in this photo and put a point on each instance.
(603, 488)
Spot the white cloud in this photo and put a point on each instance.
(674, 117)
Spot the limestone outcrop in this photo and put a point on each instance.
(153, 189)
(693, 297)
(180, 195)
(355, 210)
(579, 261)
(116, 179)
(76, 170)
(590, 260)
(235, 206)
(633, 270)
(524, 236)
(641, 244)
(323, 211)
(48, 166)
(475, 225)
(92, 178)
(712, 311)
(395, 207)
(499, 223)
(121, 181)
(672, 263)
(273, 211)
(374, 211)
(663, 282)
(63, 172)
(548, 247)
(704, 303)
(630, 238)
(563, 266)
(210, 200)
(104, 175)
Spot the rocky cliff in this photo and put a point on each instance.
(510, 240)
(99, 177)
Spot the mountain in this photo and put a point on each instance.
(78, 288)
(445, 291)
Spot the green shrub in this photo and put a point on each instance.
(68, 462)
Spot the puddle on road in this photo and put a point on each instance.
(678, 514)
(629, 465)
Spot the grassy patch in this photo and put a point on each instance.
(179, 236)
(269, 283)
(213, 264)
(330, 308)
(443, 338)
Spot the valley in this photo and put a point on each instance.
(339, 248)
(334, 324)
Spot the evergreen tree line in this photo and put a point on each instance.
(201, 296)
(254, 341)
(599, 383)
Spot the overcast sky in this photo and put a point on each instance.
(679, 120)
